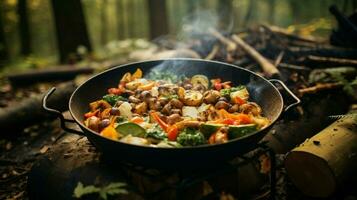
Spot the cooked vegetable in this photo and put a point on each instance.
(129, 128)
(110, 132)
(125, 110)
(241, 130)
(192, 98)
(174, 113)
(156, 133)
(200, 79)
(112, 98)
(227, 91)
(208, 129)
(191, 137)
(190, 111)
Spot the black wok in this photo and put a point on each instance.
(261, 91)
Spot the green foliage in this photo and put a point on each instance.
(112, 99)
(103, 192)
(347, 76)
(191, 137)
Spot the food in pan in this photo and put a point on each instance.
(163, 112)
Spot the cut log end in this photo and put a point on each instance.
(310, 172)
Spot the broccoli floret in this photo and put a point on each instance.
(191, 137)
(112, 99)
(156, 133)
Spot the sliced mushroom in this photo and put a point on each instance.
(166, 109)
(234, 108)
(211, 96)
(176, 111)
(93, 123)
(221, 105)
(133, 99)
(172, 119)
(176, 103)
(192, 98)
(250, 108)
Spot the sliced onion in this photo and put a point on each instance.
(125, 110)
(190, 111)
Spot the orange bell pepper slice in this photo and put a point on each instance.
(137, 120)
(147, 86)
(137, 74)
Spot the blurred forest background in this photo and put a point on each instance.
(34, 33)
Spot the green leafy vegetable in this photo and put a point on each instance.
(110, 189)
(112, 99)
(226, 92)
(191, 137)
(164, 75)
(156, 133)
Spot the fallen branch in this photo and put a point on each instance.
(231, 46)
(329, 61)
(293, 67)
(29, 111)
(279, 58)
(267, 67)
(320, 87)
(47, 75)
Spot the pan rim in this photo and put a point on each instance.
(82, 126)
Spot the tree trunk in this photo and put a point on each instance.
(25, 34)
(71, 27)
(158, 18)
(3, 45)
(325, 161)
(104, 22)
(120, 19)
(225, 13)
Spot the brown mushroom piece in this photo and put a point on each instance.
(114, 111)
(163, 100)
(141, 108)
(93, 123)
(172, 119)
(250, 108)
(166, 109)
(176, 111)
(211, 96)
(145, 95)
(154, 104)
(176, 103)
(234, 108)
(192, 98)
(221, 105)
(133, 99)
(199, 87)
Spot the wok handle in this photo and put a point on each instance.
(59, 114)
(297, 100)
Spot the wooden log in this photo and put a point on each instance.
(29, 111)
(267, 67)
(47, 75)
(317, 61)
(324, 162)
